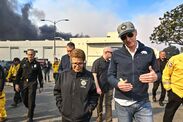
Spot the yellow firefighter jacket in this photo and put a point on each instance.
(55, 67)
(173, 75)
(13, 72)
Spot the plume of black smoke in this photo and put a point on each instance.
(47, 32)
(15, 25)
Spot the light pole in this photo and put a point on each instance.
(54, 23)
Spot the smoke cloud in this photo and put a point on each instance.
(15, 23)
(14, 26)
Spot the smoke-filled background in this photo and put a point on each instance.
(15, 23)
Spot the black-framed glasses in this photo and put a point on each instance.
(124, 36)
(30, 54)
(79, 63)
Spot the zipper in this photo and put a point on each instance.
(73, 91)
(133, 70)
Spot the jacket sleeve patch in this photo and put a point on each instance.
(170, 64)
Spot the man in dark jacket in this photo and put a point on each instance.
(131, 68)
(161, 63)
(26, 81)
(65, 60)
(75, 91)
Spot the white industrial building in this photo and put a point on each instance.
(93, 47)
(44, 49)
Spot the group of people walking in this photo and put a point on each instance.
(126, 72)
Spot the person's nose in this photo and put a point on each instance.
(128, 38)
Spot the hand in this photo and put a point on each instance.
(40, 90)
(124, 86)
(99, 91)
(17, 88)
(149, 77)
(8, 79)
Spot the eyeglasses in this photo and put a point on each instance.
(130, 35)
(78, 64)
(30, 54)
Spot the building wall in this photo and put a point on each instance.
(12, 49)
(93, 47)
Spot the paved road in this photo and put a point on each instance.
(46, 110)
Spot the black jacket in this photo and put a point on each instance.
(76, 95)
(123, 66)
(2, 78)
(29, 72)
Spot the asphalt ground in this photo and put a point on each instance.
(46, 110)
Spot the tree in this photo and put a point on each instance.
(170, 29)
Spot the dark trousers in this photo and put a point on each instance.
(29, 97)
(17, 98)
(55, 76)
(47, 75)
(154, 90)
(108, 106)
(174, 101)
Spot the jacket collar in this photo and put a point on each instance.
(140, 47)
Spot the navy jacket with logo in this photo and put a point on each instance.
(123, 66)
(76, 95)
